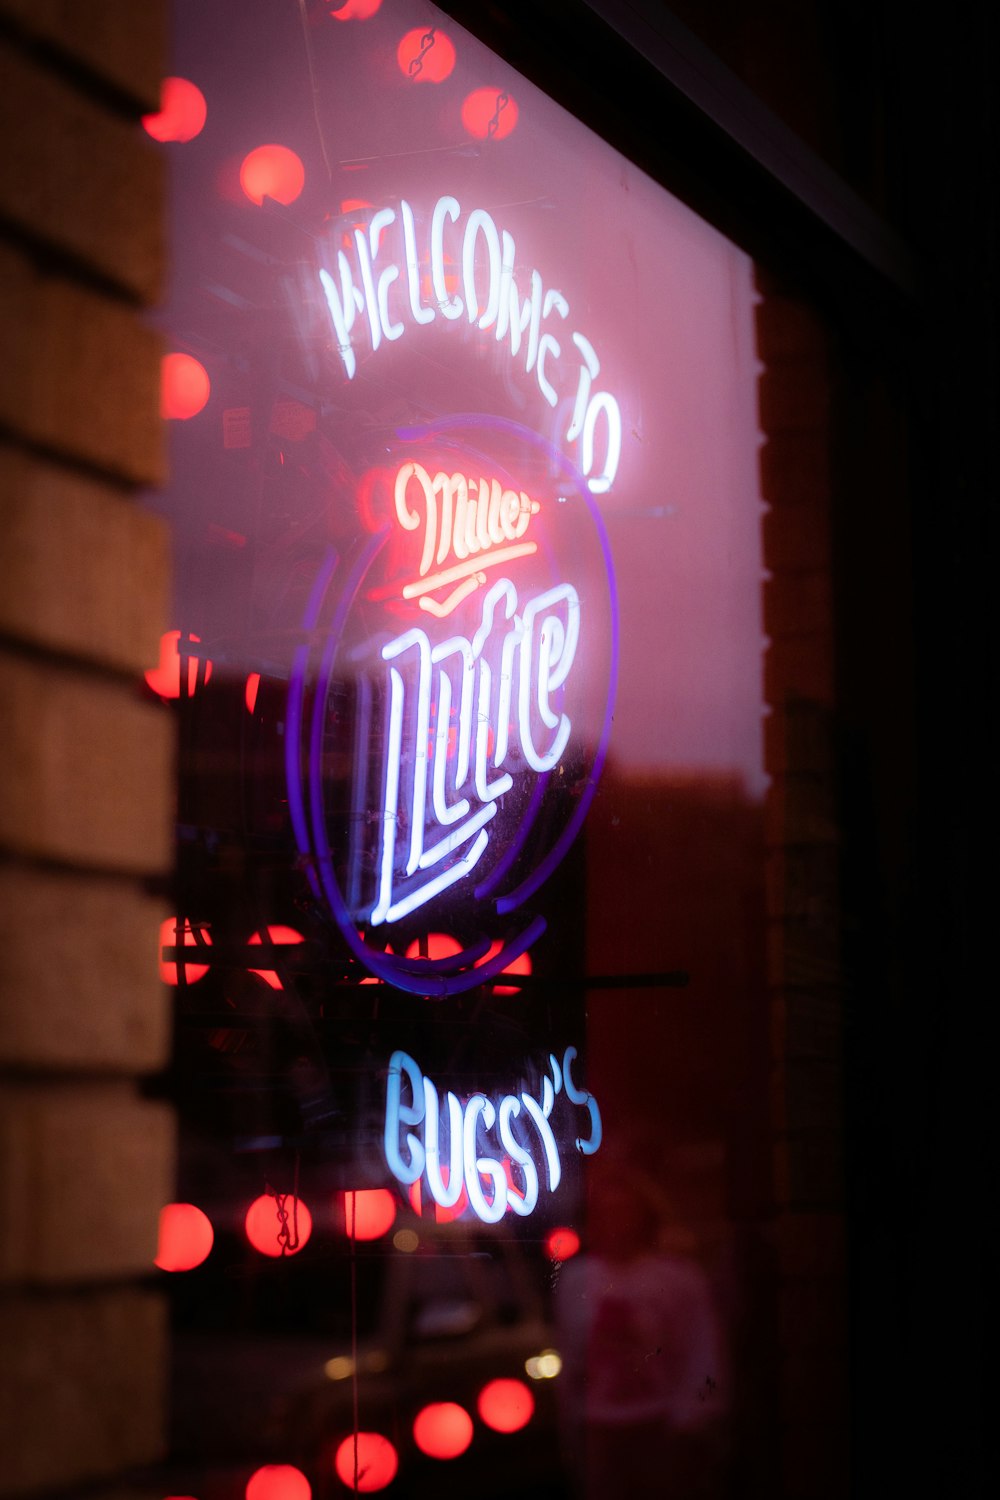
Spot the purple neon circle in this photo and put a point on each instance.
(428, 976)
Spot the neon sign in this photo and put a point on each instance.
(449, 709)
(384, 286)
(518, 1126)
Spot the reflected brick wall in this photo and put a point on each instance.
(85, 763)
(804, 970)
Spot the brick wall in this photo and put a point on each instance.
(803, 915)
(85, 760)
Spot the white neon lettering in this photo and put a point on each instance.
(412, 1100)
(343, 304)
(583, 1096)
(397, 1113)
(539, 648)
(446, 207)
(589, 371)
(480, 222)
(447, 1193)
(380, 221)
(509, 1106)
(516, 316)
(606, 403)
(420, 313)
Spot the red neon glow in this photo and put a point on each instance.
(426, 62)
(356, 10)
(441, 1215)
(506, 1405)
(489, 114)
(562, 1244)
(438, 945)
(184, 387)
(190, 936)
(252, 689)
(185, 1239)
(272, 172)
(369, 1213)
(165, 677)
(182, 112)
(278, 1482)
(275, 934)
(376, 1462)
(520, 965)
(443, 1430)
(266, 1231)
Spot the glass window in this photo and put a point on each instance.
(467, 940)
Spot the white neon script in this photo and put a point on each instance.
(463, 520)
(520, 1126)
(381, 285)
(442, 786)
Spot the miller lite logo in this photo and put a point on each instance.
(450, 711)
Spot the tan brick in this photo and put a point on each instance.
(82, 180)
(795, 468)
(799, 667)
(86, 770)
(787, 329)
(79, 973)
(86, 570)
(81, 374)
(807, 1093)
(81, 1386)
(809, 1169)
(810, 1244)
(812, 1314)
(803, 952)
(84, 1172)
(120, 41)
(798, 737)
(793, 397)
(796, 539)
(800, 809)
(807, 1024)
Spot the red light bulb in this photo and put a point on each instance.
(443, 1430)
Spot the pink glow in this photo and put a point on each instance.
(272, 172)
(482, 107)
(376, 1464)
(278, 1482)
(263, 1225)
(275, 934)
(189, 937)
(506, 1405)
(369, 1213)
(426, 64)
(182, 112)
(185, 1239)
(443, 1430)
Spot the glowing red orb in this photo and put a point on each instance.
(437, 944)
(165, 677)
(251, 691)
(376, 1462)
(269, 1234)
(562, 1244)
(356, 10)
(185, 1239)
(272, 172)
(489, 114)
(441, 1215)
(443, 1430)
(275, 934)
(426, 62)
(506, 1405)
(182, 112)
(278, 1482)
(184, 387)
(188, 937)
(369, 1213)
